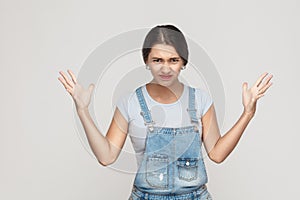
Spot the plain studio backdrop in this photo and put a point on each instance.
(42, 155)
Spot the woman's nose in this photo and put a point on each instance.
(165, 68)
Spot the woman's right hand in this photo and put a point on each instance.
(81, 96)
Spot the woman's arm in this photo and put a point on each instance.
(219, 147)
(108, 148)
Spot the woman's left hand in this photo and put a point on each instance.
(251, 95)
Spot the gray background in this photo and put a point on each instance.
(41, 153)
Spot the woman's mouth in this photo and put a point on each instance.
(165, 77)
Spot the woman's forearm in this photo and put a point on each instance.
(99, 144)
(227, 142)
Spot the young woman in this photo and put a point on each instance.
(167, 121)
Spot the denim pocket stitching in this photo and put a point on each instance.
(162, 173)
(187, 168)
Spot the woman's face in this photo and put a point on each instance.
(165, 64)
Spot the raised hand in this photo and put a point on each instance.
(251, 95)
(81, 96)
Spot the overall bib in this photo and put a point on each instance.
(172, 166)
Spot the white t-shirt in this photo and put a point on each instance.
(164, 115)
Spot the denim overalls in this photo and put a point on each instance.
(172, 165)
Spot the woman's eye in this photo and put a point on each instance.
(156, 60)
(174, 60)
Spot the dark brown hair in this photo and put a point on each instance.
(169, 35)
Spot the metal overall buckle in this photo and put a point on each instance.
(196, 128)
(150, 125)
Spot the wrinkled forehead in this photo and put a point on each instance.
(163, 50)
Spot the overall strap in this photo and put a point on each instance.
(192, 108)
(144, 108)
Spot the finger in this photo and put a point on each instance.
(70, 91)
(72, 76)
(259, 96)
(67, 87)
(245, 86)
(258, 82)
(91, 87)
(264, 89)
(266, 82)
(70, 83)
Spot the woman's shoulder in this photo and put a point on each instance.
(199, 91)
(202, 95)
(203, 100)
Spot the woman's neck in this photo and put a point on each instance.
(158, 91)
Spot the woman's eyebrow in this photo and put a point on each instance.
(170, 58)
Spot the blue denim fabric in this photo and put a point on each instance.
(172, 165)
(198, 194)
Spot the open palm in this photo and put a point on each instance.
(251, 95)
(81, 96)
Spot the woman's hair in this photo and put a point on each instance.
(168, 35)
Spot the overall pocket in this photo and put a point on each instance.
(187, 168)
(157, 173)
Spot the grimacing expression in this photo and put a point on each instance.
(165, 64)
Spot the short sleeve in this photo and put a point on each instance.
(122, 105)
(205, 101)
